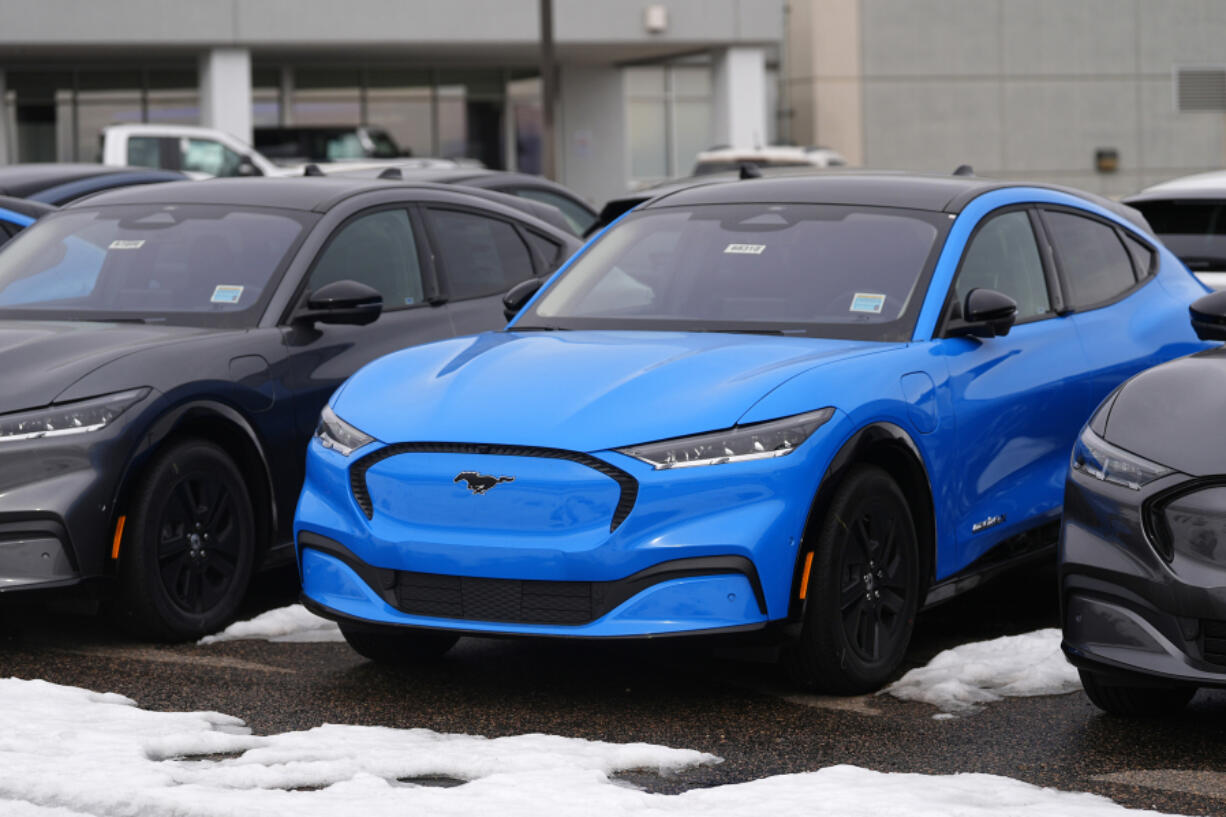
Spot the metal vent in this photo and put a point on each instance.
(1200, 89)
(1213, 641)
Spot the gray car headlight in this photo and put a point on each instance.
(78, 417)
(1095, 457)
(760, 441)
(333, 432)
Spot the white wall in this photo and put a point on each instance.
(738, 109)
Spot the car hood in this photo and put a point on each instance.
(582, 391)
(41, 359)
(1171, 414)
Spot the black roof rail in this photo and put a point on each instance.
(964, 170)
(312, 170)
(391, 173)
(749, 170)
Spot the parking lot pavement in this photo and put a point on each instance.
(673, 693)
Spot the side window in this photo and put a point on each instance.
(545, 250)
(577, 217)
(207, 156)
(1142, 257)
(479, 255)
(1003, 255)
(1094, 262)
(144, 151)
(378, 250)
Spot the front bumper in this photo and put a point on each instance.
(1127, 611)
(556, 551)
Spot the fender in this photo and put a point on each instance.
(889, 445)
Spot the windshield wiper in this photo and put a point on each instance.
(541, 328)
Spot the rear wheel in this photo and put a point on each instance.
(398, 648)
(863, 588)
(186, 559)
(1134, 701)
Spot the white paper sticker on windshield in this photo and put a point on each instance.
(867, 302)
(226, 294)
(127, 244)
(745, 249)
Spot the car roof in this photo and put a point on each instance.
(25, 180)
(25, 207)
(1211, 185)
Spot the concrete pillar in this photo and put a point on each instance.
(738, 109)
(7, 117)
(225, 91)
(591, 139)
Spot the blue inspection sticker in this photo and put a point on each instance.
(226, 294)
(867, 302)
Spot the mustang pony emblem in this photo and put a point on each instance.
(480, 483)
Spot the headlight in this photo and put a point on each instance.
(759, 441)
(333, 432)
(68, 418)
(1100, 459)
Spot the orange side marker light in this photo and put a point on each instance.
(119, 538)
(804, 578)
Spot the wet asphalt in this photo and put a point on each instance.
(679, 693)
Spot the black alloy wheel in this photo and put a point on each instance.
(863, 588)
(188, 561)
(398, 647)
(1135, 700)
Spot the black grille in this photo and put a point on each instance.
(1213, 641)
(628, 484)
(511, 600)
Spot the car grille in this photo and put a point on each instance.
(1213, 641)
(509, 600)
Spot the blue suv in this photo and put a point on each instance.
(805, 406)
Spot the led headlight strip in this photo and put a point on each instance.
(759, 441)
(78, 417)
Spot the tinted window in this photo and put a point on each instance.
(578, 217)
(1142, 256)
(193, 264)
(547, 252)
(1004, 256)
(1193, 230)
(144, 151)
(378, 250)
(478, 255)
(207, 156)
(822, 270)
(1095, 264)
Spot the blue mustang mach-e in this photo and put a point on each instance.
(808, 406)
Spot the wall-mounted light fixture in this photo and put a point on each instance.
(655, 19)
(1106, 160)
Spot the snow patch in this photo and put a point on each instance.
(293, 623)
(965, 678)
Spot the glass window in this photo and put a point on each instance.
(819, 270)
(1004, 256)
(190, 264)
(648, 139)
(578, 217)
(1095, 264)
(144, 151)
(377, 249)
(1142, 256)
(479, 255)
(327, 96)
(1193, 230)
(547, 252)
(207, 156)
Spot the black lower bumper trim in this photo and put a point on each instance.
(524, 601)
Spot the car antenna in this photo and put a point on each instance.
(749, 170)
(964, 170)
(391, 173)
(312, 170)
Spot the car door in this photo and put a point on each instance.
(1125, 322)
(478, 258)
(1018, 400)
(381, 248)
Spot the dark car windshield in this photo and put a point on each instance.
(819, 270)
(203, 265)
(1195, 230)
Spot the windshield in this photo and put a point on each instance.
(1195, 230)
(817, 270)
(194, 265)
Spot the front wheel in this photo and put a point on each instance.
(398, 647)
(1134, 701)
(186, 559)
(863, 588)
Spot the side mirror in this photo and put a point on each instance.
(247, 168)
(345, 301)
(1208, 315)
(986, 314)
(519, 295)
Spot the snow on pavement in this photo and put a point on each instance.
(964, 678)
(69, 752)
(293, 623)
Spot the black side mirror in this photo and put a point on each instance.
(345, 301)
(519, 295)
(1208, 315)
(247, 168)
(986, 314)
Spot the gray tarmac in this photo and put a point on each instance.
(679, 693)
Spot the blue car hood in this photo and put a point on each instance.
(582, 391)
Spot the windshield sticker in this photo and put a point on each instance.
(226, 294)
(745, 249)
(867, 302)
(127, 244)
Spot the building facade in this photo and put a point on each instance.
(642, 85)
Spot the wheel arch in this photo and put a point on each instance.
(891, 448)
(218, 423)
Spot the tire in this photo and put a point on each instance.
(186, 559)
(399, 648)
(863, 589)
(1135, 701)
